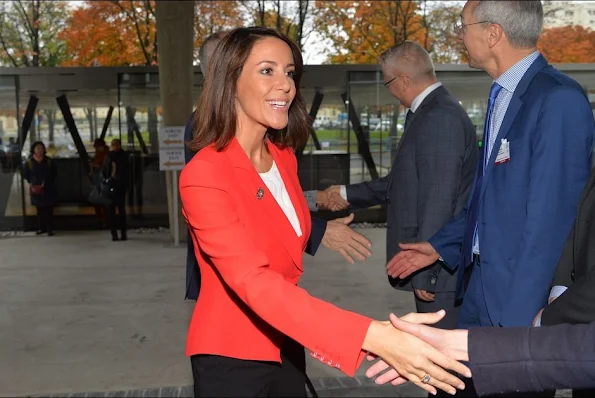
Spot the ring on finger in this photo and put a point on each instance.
(426, 379)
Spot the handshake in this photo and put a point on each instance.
(331, 199)
(421, 354)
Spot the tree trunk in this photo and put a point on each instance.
(50, 114)
(175, 34)
(89, 115)
(95, 135)
(153, 130)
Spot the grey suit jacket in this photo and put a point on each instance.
(428, 184)
(532, 359)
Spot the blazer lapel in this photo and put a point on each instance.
(267, 209)
(516, 103)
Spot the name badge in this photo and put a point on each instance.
(504, 152)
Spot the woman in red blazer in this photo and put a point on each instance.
(249, 221)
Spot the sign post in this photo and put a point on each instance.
(171, 158)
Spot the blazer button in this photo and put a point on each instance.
(433, 281)
(572, 275)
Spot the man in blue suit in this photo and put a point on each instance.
(534, 164)
(335, 235)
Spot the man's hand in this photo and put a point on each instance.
(452, 343)
(537, 317)
(412, 257)
(345, 241)
(332, 199)
(424, 295)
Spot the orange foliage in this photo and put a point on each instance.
(111, 33)
(568, 44)
(361, 30)
(214, 16)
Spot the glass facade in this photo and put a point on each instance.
(357, 123)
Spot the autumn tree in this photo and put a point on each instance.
(112, 33)
(361, 30)
(29, 37)
(292, 18)
(439, 20)
(213, 16)
(568, 44)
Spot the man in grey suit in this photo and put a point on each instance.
(431, 175)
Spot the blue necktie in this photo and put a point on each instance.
(483, 157)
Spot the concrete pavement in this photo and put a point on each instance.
(81, 314)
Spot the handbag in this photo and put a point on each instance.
(36, 190)
(102, 194)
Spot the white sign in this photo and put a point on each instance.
(171, 159)
(171, 137)
(171, 148)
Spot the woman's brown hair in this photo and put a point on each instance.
(215, 117)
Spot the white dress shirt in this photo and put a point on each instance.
(275, 184)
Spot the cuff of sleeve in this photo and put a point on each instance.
(557, 291)
(538, 322)
(488, 362)
(343, 192)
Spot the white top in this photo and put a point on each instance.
(275, 184)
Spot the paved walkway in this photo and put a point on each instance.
(81, 314)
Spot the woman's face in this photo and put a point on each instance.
(265, 88)
(38, 150)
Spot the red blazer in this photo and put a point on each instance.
(250, 261)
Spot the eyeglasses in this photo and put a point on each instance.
(390, 81)
(459, 26)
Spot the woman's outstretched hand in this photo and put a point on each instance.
(411, 358)
(452, 344)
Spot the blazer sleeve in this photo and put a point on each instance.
(439, 153)
(505, 360)
(211, 213)
(449, 240)
(316, 235)
(368, 193)
(560, 166)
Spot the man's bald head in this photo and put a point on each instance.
(206, 50)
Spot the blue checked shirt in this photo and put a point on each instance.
(508, 80)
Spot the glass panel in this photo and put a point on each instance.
(381, 118)
(11, 198)
(89, 109)
(139, 108)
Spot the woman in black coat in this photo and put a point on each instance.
(40, 173)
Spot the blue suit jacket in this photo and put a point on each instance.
(527, 205)
(192, 270)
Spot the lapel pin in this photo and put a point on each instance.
(259, 193)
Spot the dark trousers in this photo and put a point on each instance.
(218, 376)
(120, 222)
(442, 301)
(45, 218)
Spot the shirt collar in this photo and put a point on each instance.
(511, 78)
(422, 96)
